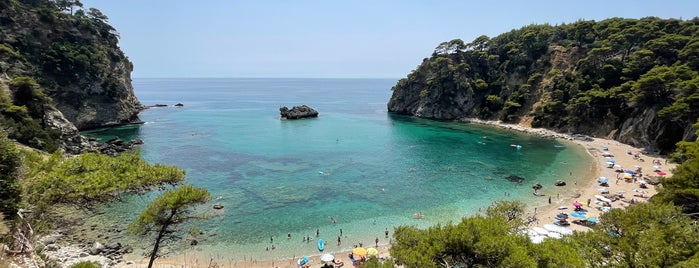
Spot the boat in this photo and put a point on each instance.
(321, 245)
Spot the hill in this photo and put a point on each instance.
(61, 71)
(631, 80)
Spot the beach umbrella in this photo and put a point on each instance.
(628, 176)
(603, 190)
(372, 252)
(602, 180)
(577, 204)
(656, 168)
(554, 235)
(642, 182)
(327, 257)
(661, 173)
(360, 251)
(620, 192)
(540, 230)
(630, 171)
(617, 166)
(595, 220)
(537, 239)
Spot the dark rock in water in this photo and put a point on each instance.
(218, 206)
(179, 105)
(560, 183)
(194, 242)
(537, 186)
(297, 112)
(116, 146)
(113, 245)
(514, 178)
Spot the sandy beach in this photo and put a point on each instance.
(579, 187)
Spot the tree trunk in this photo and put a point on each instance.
(158, 239)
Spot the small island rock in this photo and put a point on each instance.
(297, 112)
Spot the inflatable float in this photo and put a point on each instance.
(321, 245)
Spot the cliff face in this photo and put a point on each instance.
(73, 56)
(630, 80)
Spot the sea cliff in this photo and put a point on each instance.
(72, 56)
(624, 79)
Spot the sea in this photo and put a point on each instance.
(352, 173)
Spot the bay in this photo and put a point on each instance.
(355, 167)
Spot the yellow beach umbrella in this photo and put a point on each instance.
(360, 251)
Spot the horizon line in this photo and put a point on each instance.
(254, 77)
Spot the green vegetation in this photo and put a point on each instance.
(586, 77)
(86, 264)
(166, 212)
(57, 56)
(22, 107)
(88, 178)
(9, 186)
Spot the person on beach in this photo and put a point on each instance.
(549, 199)
(386, 232)
(340, 231)
(317, 232)
(377, 242)
(588, 202)
(339, 240)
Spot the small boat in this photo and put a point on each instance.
(321, 244)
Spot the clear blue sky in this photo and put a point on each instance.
(339, 39)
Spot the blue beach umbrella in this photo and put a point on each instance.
(602, 180)
(630, 171)
(595, 220)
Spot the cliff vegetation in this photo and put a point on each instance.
(632, 80)
(61, 71)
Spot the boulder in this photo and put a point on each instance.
(96, 248)
(560, 183)
(297, 112)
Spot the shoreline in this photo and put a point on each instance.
(584, 187)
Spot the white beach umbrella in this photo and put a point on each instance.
(540, 230)
(537, 239)
(327, 257)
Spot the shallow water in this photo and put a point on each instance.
(355, 163)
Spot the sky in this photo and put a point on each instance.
(330, 39)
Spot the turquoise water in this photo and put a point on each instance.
(355, 163)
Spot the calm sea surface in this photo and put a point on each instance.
(357, 164)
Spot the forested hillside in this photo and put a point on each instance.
(60, 70)
(632, 80)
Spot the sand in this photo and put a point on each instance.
(579, 187)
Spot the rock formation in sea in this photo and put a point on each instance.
(297, 112)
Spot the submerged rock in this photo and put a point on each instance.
(514, 178)
(297, 112)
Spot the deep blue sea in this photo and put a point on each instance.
(366, 169)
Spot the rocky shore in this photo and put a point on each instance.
(539, 132)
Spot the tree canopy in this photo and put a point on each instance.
(591, 77)
(165, 213)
